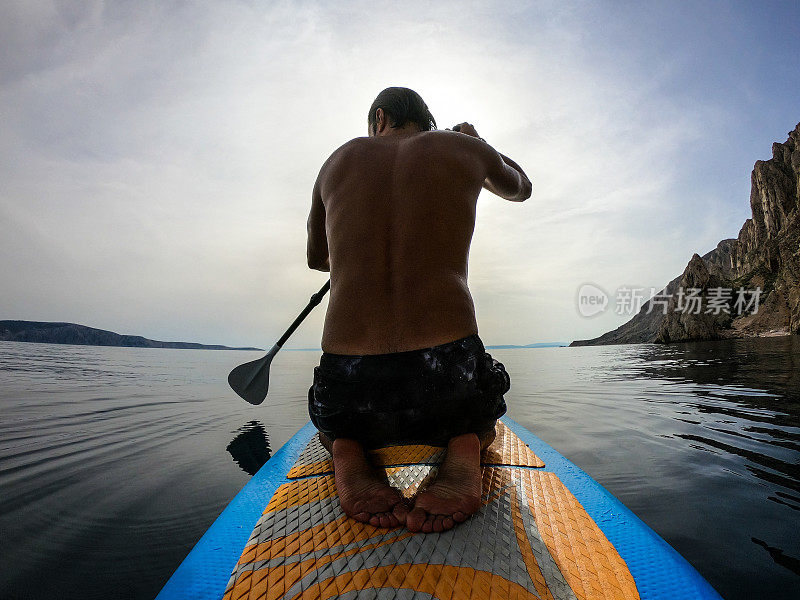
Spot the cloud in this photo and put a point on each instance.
(158, 158)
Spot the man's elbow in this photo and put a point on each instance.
(527, 190)
(524, 192)
(317, 256)
(318, 264)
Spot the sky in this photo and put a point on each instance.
(157, 158)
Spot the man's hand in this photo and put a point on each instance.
(467, 129)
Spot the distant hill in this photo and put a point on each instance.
(71, 333)
(764, 256)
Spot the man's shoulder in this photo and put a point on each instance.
(354, 144)
(437, 140)
(435, 136)
(453, 143)
(348, 149)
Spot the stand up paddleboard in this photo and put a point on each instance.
(546, 530)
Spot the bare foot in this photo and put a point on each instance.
(456, 492)
(363, 495)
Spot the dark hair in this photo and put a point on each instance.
(401, 105)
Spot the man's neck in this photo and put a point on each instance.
(405, 131)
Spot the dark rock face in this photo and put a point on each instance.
(687, 325)
(766, 254)
(642, 328)
(71, 333)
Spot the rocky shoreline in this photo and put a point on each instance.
(765, 257)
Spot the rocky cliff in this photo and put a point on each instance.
(71, 333)
(765, 255)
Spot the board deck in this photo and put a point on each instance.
(545, 530)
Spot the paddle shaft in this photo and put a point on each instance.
(315, 299)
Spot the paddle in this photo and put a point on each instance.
(251, 380)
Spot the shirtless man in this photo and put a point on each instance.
(392, 217)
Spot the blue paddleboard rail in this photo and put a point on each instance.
(659, 571)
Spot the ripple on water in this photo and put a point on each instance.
(123, 457)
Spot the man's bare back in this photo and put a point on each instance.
(392, 218)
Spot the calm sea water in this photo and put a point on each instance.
(114, 461)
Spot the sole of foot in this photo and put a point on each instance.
(364, 496)
(456, 492)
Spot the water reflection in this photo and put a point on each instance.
(745, 400)
(749, 366)
(127, 447)
(749, 390)
(250, 448)
(779, 557)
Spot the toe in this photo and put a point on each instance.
(388, 520)
(427, 526)
(437, 523)
(400, 512)
(460, 517)
(448, 523)
(415, 520)
(363, 517)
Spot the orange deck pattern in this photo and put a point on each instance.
(506, 449)
(530, 539)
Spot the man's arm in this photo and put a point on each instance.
(317, 247)
(507, 179)
(504, 177)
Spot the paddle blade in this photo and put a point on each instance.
(251, 380)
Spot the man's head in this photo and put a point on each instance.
(398, 107)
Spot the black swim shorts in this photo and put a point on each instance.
(425, 396)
